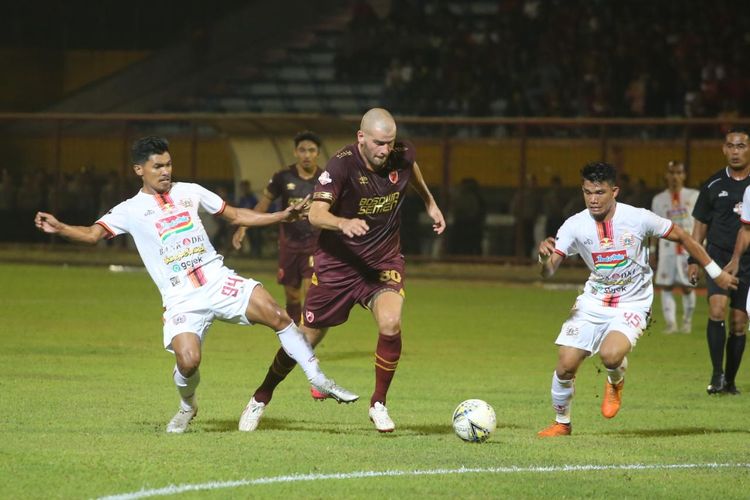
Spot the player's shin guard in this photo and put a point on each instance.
(735, 348)
(186, 387)
(387, 355)
(562, 397)
(716, 335)
(616, 374)
(294, 310)
(296, 346)
(281, 367)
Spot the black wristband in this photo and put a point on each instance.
(691, 260)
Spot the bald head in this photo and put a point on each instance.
(378, 119)
(376, 137)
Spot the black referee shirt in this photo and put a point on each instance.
(718, 206)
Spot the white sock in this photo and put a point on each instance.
(562, 396)
(296, 346)
(617, 374)
(186, 387)
(669, 307)
(688, 305)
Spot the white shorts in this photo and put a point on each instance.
(589, 324)
(672, 270)
(225, 298)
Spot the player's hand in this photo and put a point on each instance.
(438, 221)
(238, 236)
(693, 273)
(298, 210)
(546, 249)
(353, 227)
(732, 267)
(727, 281)
(47, 223)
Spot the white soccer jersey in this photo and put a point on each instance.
(745, 208)
(616, 253)
(678, 208)
(169, 235)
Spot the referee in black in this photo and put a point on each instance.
(717, 220)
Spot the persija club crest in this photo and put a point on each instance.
(393, 176)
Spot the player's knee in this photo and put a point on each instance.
(188, 360)
(717, 312)
(611, 357)
(389, 324)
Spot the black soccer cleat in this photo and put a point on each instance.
(731, 389)
(717, 384)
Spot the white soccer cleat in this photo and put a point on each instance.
(379, 416)
(181, 420)
(328, 386)
(669, 329)
(687, 326)
(251, 415)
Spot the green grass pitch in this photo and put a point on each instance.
(86, 392)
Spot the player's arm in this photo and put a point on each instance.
(548, 258)
(321, 217)
(740, 247)
(47, 223)
(251, 218)
(420, 186)
(697, 252)
(239, 234)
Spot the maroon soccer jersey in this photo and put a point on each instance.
(355, 192)
(291, 188)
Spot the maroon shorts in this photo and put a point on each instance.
(334, 293)
(294, 266)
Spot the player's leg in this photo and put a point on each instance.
(664, 278)
(688, 308)
(735, 348)
(293, 296)
(716, 336)
(669, 310)
(613, 353)
(386, 310)
(569, 359)
(186, 375)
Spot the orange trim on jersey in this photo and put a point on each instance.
(221, 210)
(197, 277)
(110, 234)
(668, 231)
(560, 253)
(164, 201)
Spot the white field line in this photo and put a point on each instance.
(217, 485)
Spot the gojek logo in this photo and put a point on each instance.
(174, 224)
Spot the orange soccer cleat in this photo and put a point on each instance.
(556, 429)
(612, 398)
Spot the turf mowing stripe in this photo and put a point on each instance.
(175, 489)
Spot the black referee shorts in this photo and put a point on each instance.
(737, 298)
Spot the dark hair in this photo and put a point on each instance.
(737, 130)
(599, 171)
(144, 147)
(306, 135)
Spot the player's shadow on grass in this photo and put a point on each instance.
(270, 423)
(677, 431)
(344, 355)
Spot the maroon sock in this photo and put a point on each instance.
(294, 310)
(386, 360)
(279, 369)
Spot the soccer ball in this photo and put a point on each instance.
(474, 420)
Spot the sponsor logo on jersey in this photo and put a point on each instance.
(325, 178)
(609, 260)
(605, 243)
(290, 186)
(393, 176)
(185, 203)
(723, 194)
(147, 212)
(363, 180)
(174, 224)
(344, 153)
(188, 252)
(378, 204)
